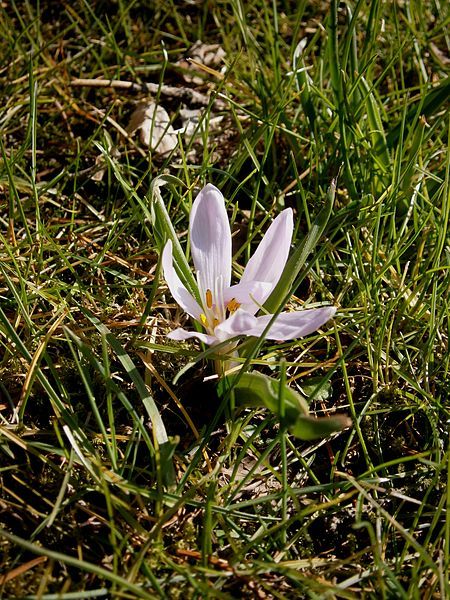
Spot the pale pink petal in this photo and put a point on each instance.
(182, 334)
(177, 289)
(250, 296)
(289, 326)
(238, 324)
(210, 237)
(268, 261)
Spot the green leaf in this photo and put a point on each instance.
(304, 85)
(258, 390)
(77, 438)
(308, 427)
(316, 389)
(428, 104)
(92, 359)
(333, 52)
(130, 368)
(81, 566)
(301, 253)
(163, 230)
(416, 145)
(377, 135)
(166, 452)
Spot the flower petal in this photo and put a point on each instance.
(177, 289)
(210, 238)
(250, 296)
(268, 261)
(289, 326)
(182, 334)
(239, 323)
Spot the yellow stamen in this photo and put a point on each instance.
(233, 305)
(208, 298)
(203, 319)
(215, 323)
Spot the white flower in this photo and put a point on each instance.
(226, 310)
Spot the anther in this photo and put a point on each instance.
(233, 305)
(208, 298)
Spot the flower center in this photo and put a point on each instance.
(215, 309)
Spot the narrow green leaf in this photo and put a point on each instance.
(413, 153)
(377, 135)
(126, 185)
(166, 452)
(82, 565)
(350, 51)
(304, 85)
(131, 369)
(76, 435)
(428, 104)
(163, 230)
(90, 357)
(301, 253)
(86, 379)
(333, 51)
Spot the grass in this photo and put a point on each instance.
(94, 501)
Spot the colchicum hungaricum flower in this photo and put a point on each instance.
(227, 311)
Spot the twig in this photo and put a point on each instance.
(22, 569)
(187, 95)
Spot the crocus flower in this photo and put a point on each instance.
(227, 311)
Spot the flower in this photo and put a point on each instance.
(227, 311)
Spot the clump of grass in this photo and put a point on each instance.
(122, 474)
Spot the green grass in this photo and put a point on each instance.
(230, 505)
